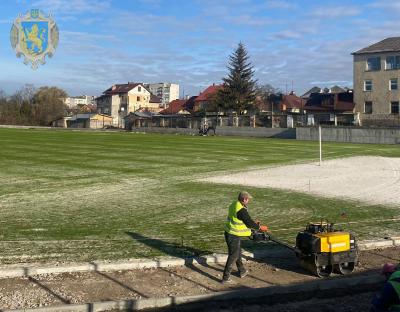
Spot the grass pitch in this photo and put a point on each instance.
(81, 196)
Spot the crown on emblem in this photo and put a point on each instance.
(34, 13)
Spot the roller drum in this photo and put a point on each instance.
(310, 263)
(344, 268)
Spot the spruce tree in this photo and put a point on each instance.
(239, 86)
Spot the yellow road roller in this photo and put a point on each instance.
(321, 249)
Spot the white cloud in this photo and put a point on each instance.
(288, 34)
(392, 7)
(336, 12)
(68, 7)
(249, 20)
(280, 4)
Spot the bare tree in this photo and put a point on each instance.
(48, 105)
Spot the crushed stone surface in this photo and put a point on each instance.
(365, 178)
(278, 268)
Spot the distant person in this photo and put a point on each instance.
(389, 298)
(238, 225)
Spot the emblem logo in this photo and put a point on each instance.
(34, 36)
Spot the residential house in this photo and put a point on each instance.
(189, 104)
(291, 103)
(90, 121)
(376, 82)
(330, 106)
(313, 90)
(144, 118)
(176, 107)
(74, 101)
(121, 99)
(165, 91)
(205, 97)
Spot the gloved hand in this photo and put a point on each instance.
(263, 228)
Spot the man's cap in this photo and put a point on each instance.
(389, 268)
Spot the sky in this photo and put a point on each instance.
(292, 45)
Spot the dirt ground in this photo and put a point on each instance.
(364, 178)
(280, 268)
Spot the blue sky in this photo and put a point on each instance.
(103, 42)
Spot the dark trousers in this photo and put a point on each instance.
(234, 254)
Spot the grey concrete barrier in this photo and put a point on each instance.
(266, 295)
(10, 271)
(350, 134)
(282, 133)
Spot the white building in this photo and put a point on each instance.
(74, 101)
(165, 91)
(122, 99)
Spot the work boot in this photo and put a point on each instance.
(226, 280)
(244, 273)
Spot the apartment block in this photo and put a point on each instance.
(376, 82)
(165, 91)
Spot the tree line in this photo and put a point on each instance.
(31, 106)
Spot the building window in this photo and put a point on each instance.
(393, 84)
(139, 89)
(374, 63)
(138, 98)
(367, 85)
(368, 107)
(393, 62)
(394, 109)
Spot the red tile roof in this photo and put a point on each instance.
(174, 107)
(292, 101)
(121, 88)
(207, 93)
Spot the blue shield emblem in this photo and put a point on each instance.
(36, 36)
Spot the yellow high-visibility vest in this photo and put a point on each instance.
(233, 225)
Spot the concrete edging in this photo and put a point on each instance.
(10, 271)
(266, 295)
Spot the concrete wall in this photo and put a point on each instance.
(282, 133)
(351, 135)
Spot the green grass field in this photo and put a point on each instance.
(80, 196)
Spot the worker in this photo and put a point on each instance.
(238, 225)
(389, 298)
